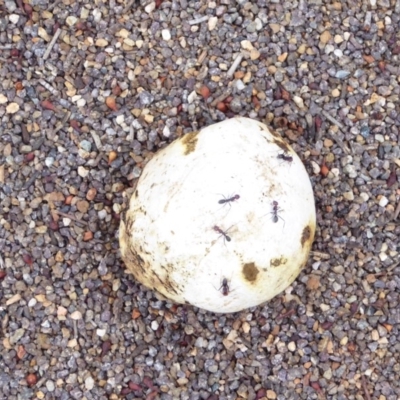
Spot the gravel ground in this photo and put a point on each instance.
(90, 90)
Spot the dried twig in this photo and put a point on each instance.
(71, 217)
(51, 44)
(198, 20)
(339, 142)
(364, 386)
(318, 254)
(63, 122)
(31, 180)
(221, 97)
(332, 119)
(397, 211)
(234, 65)
(202, 57)
(55, 2)
(128, 6)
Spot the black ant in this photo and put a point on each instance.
(229, 199)
(224, 287)
(275, 209)
(285, 157)
(224, 234)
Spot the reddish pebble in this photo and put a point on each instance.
(31, 379)
(88, 235)
(14, 53)
(222, 107)
(68, 200)
(134, 386)
(48, 105)
(27, 259)
(91, 194)
(2, 274)
(29, 157)
(205, 92)
(324, 169)
(147, 381)
(105, 347)
(53, 225)
(261, 393)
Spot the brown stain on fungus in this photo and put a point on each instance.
(277, 262)
(250, 272)
(283, 145)
(189, 141)
(305, 235)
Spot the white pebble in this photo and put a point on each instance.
(246, 45)
(102, 214)
(12, 108)
(49, 161)
(150, 7)
(192, 97)
(383, 201)
(292, 346)
(14, 18)
(383, 256)
(324, 307)
(3, 99)
(259, 24)
(100, 332)
(335, 172)
(83, 172)
(329, 48)
(166, 131)
(32, 302)
(338, 53)
(76, 315)
(120, 119)
(154, 325)
(50, 386)
(316, 168)
(81, 103)
(349, 195)
(166, 34)
(71, 20)
(212, 23)
(299, 101)
(364, 196)
(89, 383)
(66, 221)
(96, 15)
(240, 85)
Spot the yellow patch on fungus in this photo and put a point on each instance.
(189, 141)
(276, 262)
(306, 235)
(250, 272)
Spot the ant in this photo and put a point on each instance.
(224, 287)
(224, 234)
(285, 157)
(229, 199)
(275, 209)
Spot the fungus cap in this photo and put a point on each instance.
(182, 237)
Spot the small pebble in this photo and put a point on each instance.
(166, 34)
(76, 315)
(383, 201)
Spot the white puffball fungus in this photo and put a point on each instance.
(183, 237)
